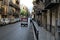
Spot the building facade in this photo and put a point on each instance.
(9, 8)
(14, 5)
(50, 16)
(38, 7)
(3, 8)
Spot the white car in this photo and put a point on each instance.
(12, 21)
(18, 19)
(7, 20)
(2, 21)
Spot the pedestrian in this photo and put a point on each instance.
(28, 22)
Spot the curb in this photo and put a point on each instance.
(34, 35)
(8, 24)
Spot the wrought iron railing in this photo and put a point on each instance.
(47, 2)
(17, 2)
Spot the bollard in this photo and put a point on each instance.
(37, 34)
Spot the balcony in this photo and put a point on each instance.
(44, 10)
(38, 13)
(16, 14)
(1, 7)
(1, 10)
(50, 3)
(35, 7)
(14, 5)
(34, 2)
(17, 2)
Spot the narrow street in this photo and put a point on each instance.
(29, 19)
(16, 32)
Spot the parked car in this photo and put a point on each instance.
(17, 19)
(12, 21)
(4, 21)
(7, 21)
(1, 23)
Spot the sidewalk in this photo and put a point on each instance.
(43, 34)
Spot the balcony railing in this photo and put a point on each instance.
(38, 12)
(34, 2)
(35, 7)
(44, 10)
(14, 5)
(51, 3)
(17, 2)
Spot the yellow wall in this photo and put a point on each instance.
(14, 1)
(0, 16)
